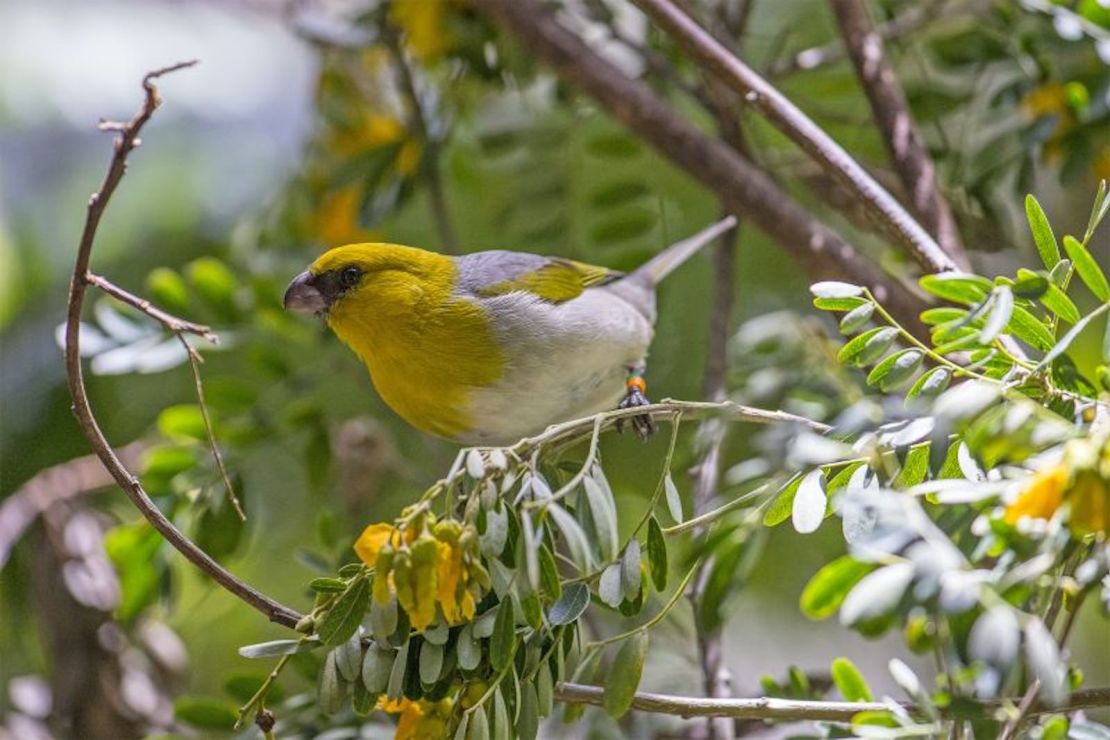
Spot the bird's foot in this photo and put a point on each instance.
(635, 396)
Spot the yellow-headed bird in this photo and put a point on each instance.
(490, 347)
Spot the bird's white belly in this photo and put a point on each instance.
(563, 361)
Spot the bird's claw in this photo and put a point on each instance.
(642, 423)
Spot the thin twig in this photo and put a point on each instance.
(126, 141)
(911, 161)
(194, 363)
(771, 708)
(171, 322)
(784, 115)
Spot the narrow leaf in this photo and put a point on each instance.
(810, 502)
(504, 636)
(999, 316)
(849, 682)
(1065, 341)
(674, 501)
(569, 607)
(1089, 271)
(1029, 329)
(630, 570)
(1043, 237)
(604, 512)
(657, 554)
(833, 289)
(624, 679)
(344, 616)
(825, 592)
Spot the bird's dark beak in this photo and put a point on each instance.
(303, 297)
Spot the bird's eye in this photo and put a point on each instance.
(349, 277)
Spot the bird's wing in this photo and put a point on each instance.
(553, 279)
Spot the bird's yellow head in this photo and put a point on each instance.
(370, 281)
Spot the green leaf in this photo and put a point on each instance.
(528, 718)
(501, 724)
(531, 551)
(808, 508)
(328, 585)
(657, 554)
(825, 592)
(609, 586)
(549, 574)
(1065, 341)
(876, 594)
(1089, 271)
(1030, 285)
(834, 289)
(958, 287)
(868, 346)
(331, 689)
(913, 469)
(930, 384)
(503, 640)
(348, 658)
(344, 616)
(395, 685)
(780, 509)
(674, 500)
(838, 304)
(849, 681)
(625, 674)
(570, 606)
(942, 315)
(1057, 301)
(857, 318)
(1043, 237)
(167, 290)
(1001, 310)
(1029, 329)
(1098, 211)
(896, 369)
(479, 725)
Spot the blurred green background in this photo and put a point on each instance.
(292, 136)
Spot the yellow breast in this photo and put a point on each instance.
(427, 350)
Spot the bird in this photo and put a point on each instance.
(489, 348)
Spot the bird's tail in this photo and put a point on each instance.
(662, 264)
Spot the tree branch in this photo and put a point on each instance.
(771, 708)
(911, 162)
(784, 115)
(127, 140)
(743, 187)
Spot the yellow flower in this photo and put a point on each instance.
(1042, 496)
(422, 22)
(371, 541)
(419, 719)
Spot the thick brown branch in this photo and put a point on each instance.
(911, 162)
(81, 279)
(788, 709)
(784, 115)
(745, 189)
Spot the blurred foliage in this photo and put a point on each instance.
(1011, 97)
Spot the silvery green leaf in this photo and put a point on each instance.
(674, 501)
(1044, 659)
(479, 725)
(604, 512)
(475, 467)
(527, 719)
(467, 649)
(904, 676)
(876, 594)
(531, 551)
(498, 459)
(545, 691)
(575, 538)
(348, 657)
(437, 634)
(500, 576)
(383, 619)
(377, 664)
(857, 318)
(463, 728)
(431, 662)
(492, 541)
(540, 489)
(277, 648)
(995, 637)
(630, 570)
(501, 724)
(332, 689)
(968, 466)
(966, 400)
(810, 502)
(121, 329)
(1061, 346)
(483, 624)
(914, 431)
(609, 586)
(397, 672)
(999, 315)
(834, 289)
(809, 449)
(568, 607)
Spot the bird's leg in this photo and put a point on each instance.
(634, 395)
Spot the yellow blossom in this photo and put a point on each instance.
(1042, 496)
(371, 542)
(1090, 504)
(422, 22)
(419, 719)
